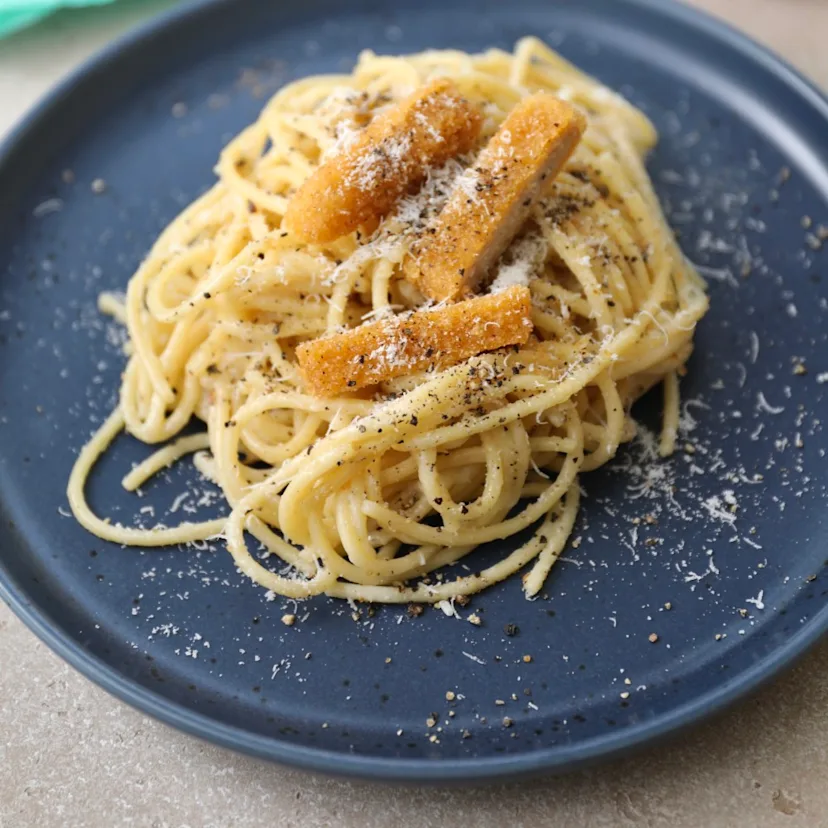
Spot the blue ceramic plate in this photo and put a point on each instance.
(718, 552)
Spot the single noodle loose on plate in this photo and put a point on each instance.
(419, 302)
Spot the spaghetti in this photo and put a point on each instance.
(371, 494)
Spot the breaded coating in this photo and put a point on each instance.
(491, 201)
(400, 345)
(388, 159)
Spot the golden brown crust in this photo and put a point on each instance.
(487, 209)
(402, 345)
(389, 158)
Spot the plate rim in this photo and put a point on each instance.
(554, 759)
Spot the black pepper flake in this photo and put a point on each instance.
(351, 383)
(438, 500)
(414, 420)
(511, 630)
(414, 610)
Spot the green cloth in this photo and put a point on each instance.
(15, 14)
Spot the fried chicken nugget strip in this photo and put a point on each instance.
(487, 208)
(437, 338)
(388, 159)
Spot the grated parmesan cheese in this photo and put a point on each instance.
(519, 263)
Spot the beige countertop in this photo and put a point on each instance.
(70, 755)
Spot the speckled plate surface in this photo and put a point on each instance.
(688, 582)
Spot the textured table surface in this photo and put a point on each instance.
(70, 755)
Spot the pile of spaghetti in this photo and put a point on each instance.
(372, 493)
